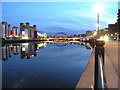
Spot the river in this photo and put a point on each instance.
(43, 65)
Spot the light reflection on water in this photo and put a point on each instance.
(43, 64)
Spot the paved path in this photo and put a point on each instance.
(111, 49)
(111, 64)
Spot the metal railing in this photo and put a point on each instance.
(99, 78)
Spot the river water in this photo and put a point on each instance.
(43, 65)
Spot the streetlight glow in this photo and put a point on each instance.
(98, 8)
(105, 38)
(97, 25)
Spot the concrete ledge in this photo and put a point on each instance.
(87, 78)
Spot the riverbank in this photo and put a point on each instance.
(110, 67)
(22, 41)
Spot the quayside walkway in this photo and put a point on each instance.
(112, 73)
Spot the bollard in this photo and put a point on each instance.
(99, 52)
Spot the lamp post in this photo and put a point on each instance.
(98, 9)
(98, 25)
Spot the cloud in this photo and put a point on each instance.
(67, 16)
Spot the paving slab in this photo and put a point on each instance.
(111, 64)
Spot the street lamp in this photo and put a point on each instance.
(98, 10)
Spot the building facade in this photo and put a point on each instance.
(118, 23)
(41, 34)
(14, 32)
(28, 31)
(7, 33)
(112, 28)
(5, 29)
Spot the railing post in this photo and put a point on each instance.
(99, 51)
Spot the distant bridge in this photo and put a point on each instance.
(61, 36)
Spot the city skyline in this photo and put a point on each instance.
(53, 17)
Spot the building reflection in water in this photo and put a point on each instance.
(28, 50)
(14, 49)
(7, 51)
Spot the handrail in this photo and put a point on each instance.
(99, 78)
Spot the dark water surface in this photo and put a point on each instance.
(42, 65)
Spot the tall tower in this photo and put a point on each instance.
(4, 29)
(8, 30)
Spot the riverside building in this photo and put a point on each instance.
(28, 31)
(118, 22)
(5, 30)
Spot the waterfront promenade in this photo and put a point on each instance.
(111, 69)
(111, 64)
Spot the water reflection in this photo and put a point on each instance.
(28, 50)
(44, 64)
(8, 49)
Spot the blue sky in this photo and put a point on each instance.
(53, 17)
